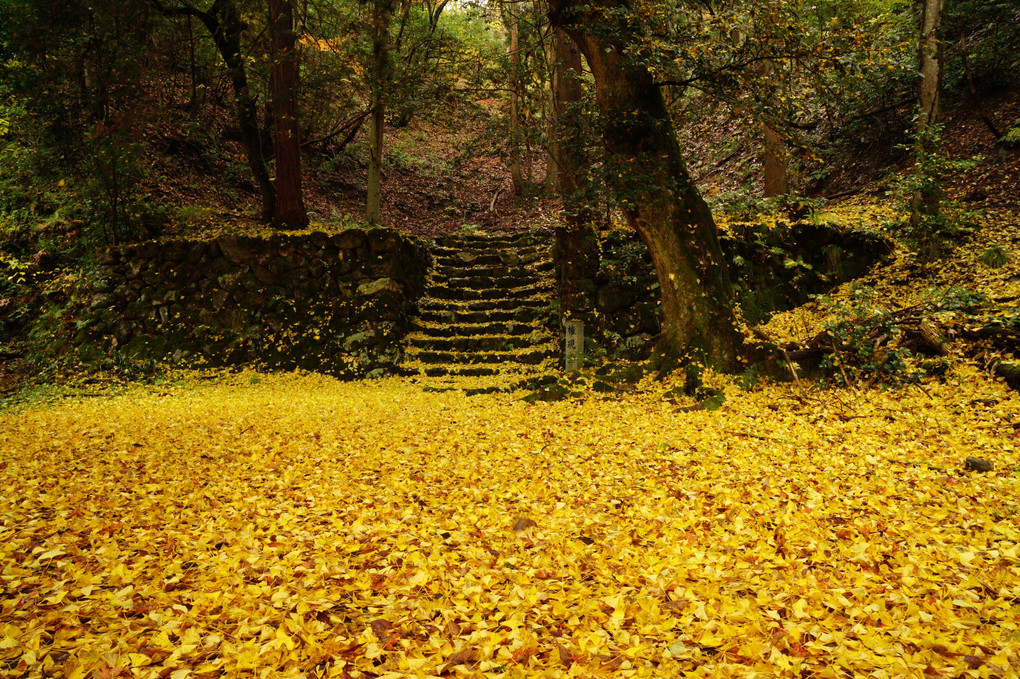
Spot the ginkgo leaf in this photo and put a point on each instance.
(378, 529)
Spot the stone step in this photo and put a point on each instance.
(456, 369)
(451, 256)
(503, 304)
(544, 266)
(501, 240)
(488, 384)
(504, 282)
(476, 343)
(482, 317)
(442, 261)
(445, 291)
(445, 327)
(522, 314)
(527, 357)
(454, 258)
(477, 377)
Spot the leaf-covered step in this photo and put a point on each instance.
(461, 258)
(522, 314)
(492, 240)
(527, 357)
(482, 248)
(445, 291)
(509, 373)
(444, 326)
(489, 282)
(440, 370)
(540, 268)
(501, 304)
(475, 343)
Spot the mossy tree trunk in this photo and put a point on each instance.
(515, 101)
(925, 201)
(290, 210)
(651, 184)
(577, 247)
(223, 21)
(382, 17)
(775, 164)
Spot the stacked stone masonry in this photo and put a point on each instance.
(338, 304)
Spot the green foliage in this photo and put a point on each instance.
(931, 229)
(862, 344)
(956, 298)
(990, 31)
(750, 378)
(995, 257)
(624, 257)
(743, 203)
(1012, 136)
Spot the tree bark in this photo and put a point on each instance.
(290, 210)
(552, 181)
(775, 159)
(381, 18)
(577, 247)
(515, 115)
(651, 184)
(929, 94)
(224, 24)
(775, 166)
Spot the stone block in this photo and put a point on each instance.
(379, 287)
(238, 249)
(349, 239)
(383, 241)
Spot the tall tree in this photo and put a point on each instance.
(547, 36)
(382, 18)
(223, 22)
(577, 247)
(649, 179)
(925, 201)
(515, 99)
(290, 208)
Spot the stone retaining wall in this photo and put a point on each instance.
(339, 304)
(773, 268)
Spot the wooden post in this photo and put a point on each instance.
(575, 345)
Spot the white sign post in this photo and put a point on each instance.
(575, 345)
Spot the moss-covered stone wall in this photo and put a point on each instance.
(339, 304)
(773, 268)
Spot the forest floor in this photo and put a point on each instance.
(294, 525)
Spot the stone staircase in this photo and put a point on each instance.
(482, 322)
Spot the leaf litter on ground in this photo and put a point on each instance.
(294, 525)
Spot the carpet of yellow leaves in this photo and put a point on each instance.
(899, 283)
(279, 526)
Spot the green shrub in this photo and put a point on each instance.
(863, 341)
(995, 257)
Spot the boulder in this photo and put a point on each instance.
(383, 240)
(349, 239)
(378, 287)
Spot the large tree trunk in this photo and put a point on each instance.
(650, 181)
(552, 181)
(515, 114)
(577, 247)
(381, 19)
(775, 165)
(224, 24)
(926, 200)
(290, 208)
